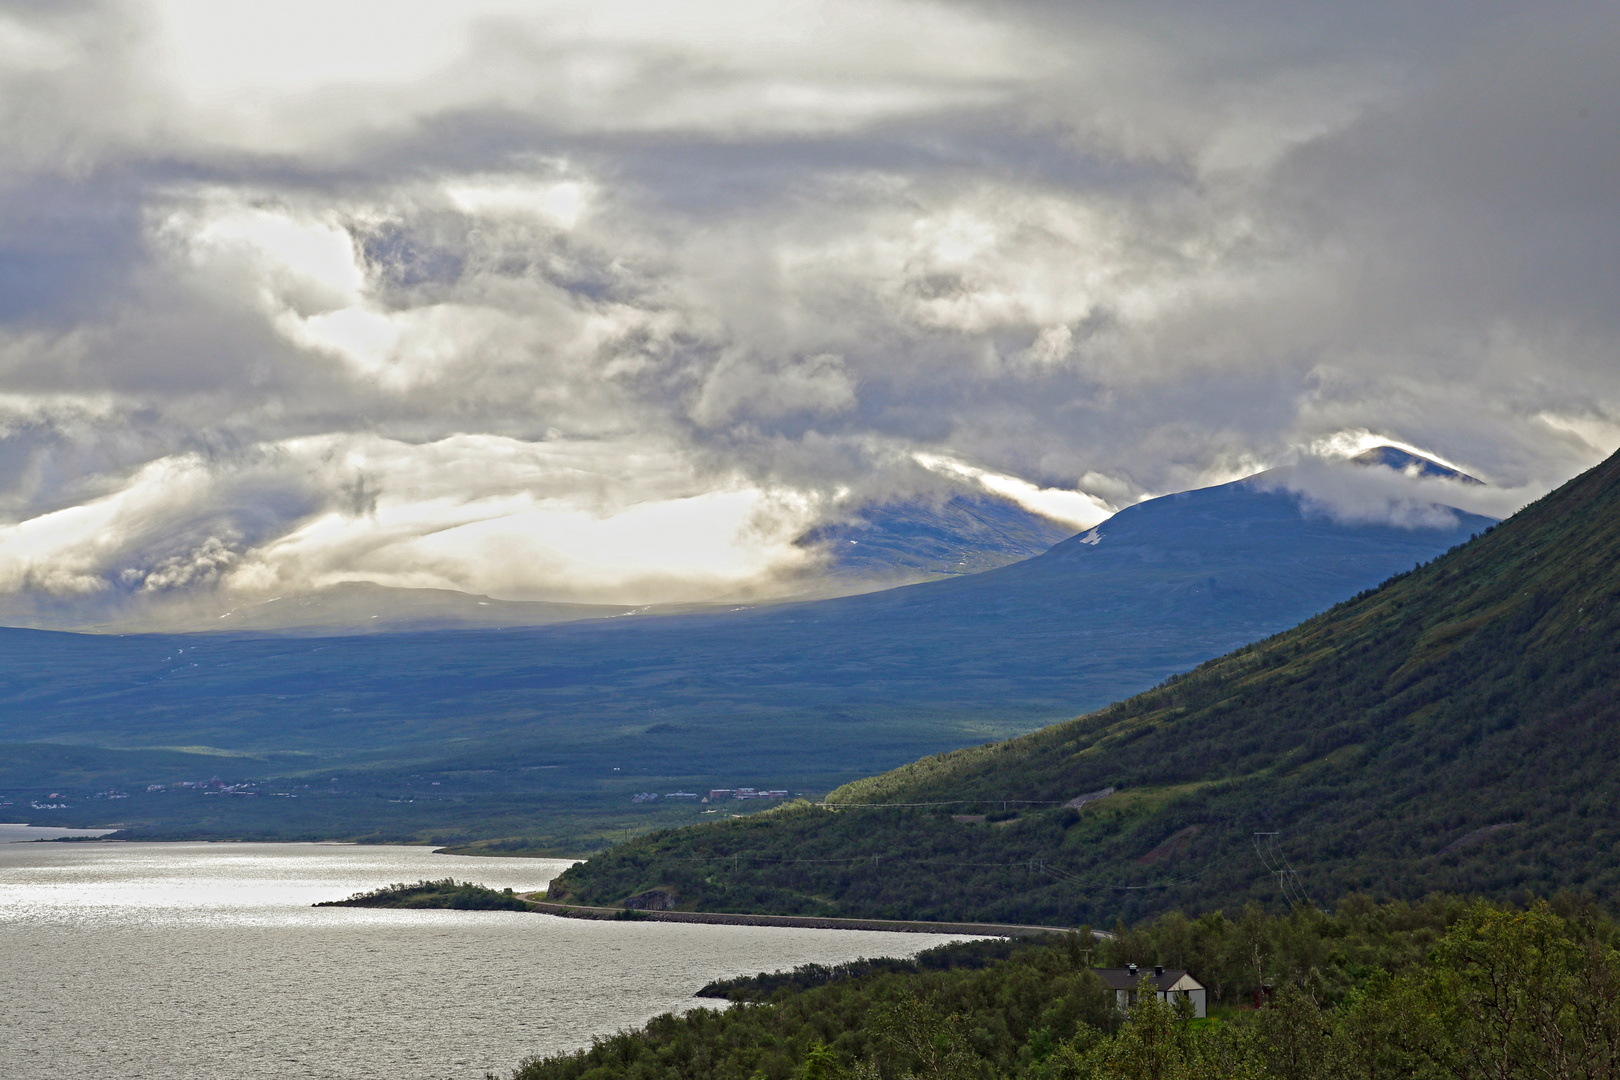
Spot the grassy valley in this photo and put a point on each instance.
(472, 806)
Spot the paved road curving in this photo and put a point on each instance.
(581, 911)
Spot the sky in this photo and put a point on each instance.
(612, 300)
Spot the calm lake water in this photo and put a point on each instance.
(170, 961)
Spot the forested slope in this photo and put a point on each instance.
(1453, 729)
(1372, 992)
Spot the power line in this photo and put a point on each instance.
(1074, 879)
(1275, 862)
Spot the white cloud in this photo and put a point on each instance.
(560, 203)
(76, 549)
(306, 265)
(308, 76)
(520, 520)
(1364, 495)
(1076, 508)
(517, 547)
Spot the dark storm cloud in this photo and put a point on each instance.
(525, 277)
(66, 246)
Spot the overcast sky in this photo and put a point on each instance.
(610, 300)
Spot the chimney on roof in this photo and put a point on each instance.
(1158, 969)
(1132, 970)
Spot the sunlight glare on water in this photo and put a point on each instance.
(171, 961)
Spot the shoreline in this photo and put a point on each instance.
(806, 922)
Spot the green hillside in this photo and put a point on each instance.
(1453, 729)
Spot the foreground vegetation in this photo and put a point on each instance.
(1452, 730)
(1445, 988)
(446, 893)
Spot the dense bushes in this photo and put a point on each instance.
(1037, 997)
(1443, 989)
(447, 893)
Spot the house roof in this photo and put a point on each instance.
(1146, 979)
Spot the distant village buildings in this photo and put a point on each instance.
(714, 795)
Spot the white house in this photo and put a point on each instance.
(1130, 985)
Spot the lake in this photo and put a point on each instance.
(194, 960)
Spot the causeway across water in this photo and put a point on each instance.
(814, 922)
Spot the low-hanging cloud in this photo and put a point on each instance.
(613, 301)
(1357, 494)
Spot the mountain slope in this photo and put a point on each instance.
(915, 540)
(1454, 729)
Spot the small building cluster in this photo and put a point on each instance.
(216, 786)
(1131, 985)
(716, 794)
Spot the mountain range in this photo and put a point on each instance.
(905, 541)
(1456, 729)
(870, 547)
(802, 695)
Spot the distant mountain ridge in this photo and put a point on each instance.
(1402, 461)
(873, 547)
(802, 695)
(919, 540)
(1197, 570)
(1457, 728)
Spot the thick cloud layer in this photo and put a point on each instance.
(613, 300)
